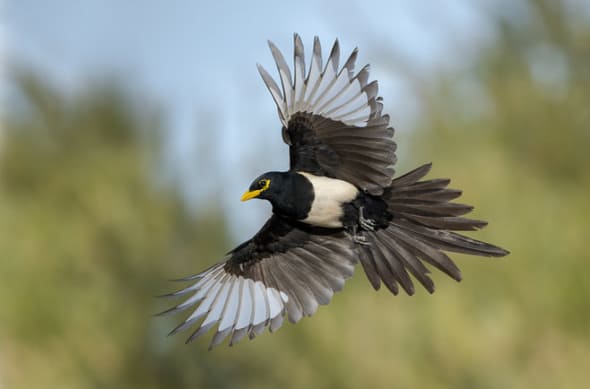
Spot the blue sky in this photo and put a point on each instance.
(198, 59)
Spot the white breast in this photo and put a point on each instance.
(330, 194)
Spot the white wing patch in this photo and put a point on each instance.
(239, 305)
(328, 92)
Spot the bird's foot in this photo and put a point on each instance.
(366, 224)
(359, 237)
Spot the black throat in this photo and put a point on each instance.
(293, 197)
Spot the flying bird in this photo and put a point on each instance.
(338, 204)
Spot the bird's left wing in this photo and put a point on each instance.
(285, 268)
(332, 118)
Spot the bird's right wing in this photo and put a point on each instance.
(286, 267)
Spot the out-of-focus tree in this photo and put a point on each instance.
(527, 90)
(88, 234)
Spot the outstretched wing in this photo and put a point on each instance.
(332, 118)
(285, 268)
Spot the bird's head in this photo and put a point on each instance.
(264, 187)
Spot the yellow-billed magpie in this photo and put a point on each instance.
(338, 204)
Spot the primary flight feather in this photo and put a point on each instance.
(337, 205)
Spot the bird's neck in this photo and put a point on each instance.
(293, 199)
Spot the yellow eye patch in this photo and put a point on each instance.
(265, 183)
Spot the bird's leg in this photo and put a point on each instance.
(366, 224)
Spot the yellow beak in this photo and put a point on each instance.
(250, 195)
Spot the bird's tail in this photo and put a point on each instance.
(423, 225)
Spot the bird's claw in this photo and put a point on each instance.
(360, 239)
(366, 224)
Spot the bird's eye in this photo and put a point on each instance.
(261, 183)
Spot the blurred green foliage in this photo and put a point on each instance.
(89, 233)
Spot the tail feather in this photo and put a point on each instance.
(451, 241)
(382, 264)
(384, 268)
(427, 252)
(421, 231)
(449, 222)
(370, 268)
(429, 208)
(414, 265)
(436, 194)
(412, 176)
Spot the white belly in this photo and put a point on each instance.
(330, 194)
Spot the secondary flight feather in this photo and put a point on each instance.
(338, 204)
